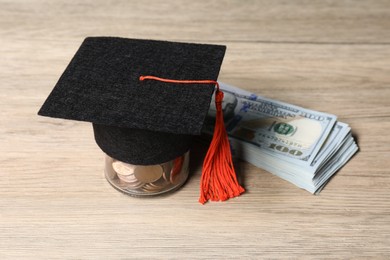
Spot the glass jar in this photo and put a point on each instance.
(147, 180)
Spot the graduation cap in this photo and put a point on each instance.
(146, 99)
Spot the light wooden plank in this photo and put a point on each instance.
(331, 56)
(269, 21)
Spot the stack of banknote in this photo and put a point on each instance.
(302, 146)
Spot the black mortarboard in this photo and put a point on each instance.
(139, 122)
(148, 122)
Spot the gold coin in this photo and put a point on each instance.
(167, 170)
(132, 187)
(151, 189)
(160, 184)
(123, 168)
(148, 174)
(128, 178)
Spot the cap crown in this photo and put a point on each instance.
(101, 84)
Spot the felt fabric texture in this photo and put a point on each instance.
(139, 122)
(140, 147)
(101, 84)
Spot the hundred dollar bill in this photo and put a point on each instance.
(301, 146)
(287, 131)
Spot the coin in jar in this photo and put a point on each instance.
(167, 170)
(123, 168)
(128, 178)
(148, 174)
(130, 186)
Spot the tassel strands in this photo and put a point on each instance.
(219, 181)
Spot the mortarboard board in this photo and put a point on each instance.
(141, 122)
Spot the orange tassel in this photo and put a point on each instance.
(218, 181)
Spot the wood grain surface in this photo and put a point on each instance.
(331, 56)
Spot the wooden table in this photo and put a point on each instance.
(331, 56)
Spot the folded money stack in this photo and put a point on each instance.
(302, 146)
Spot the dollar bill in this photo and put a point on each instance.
(299, 145)
(274, 126)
